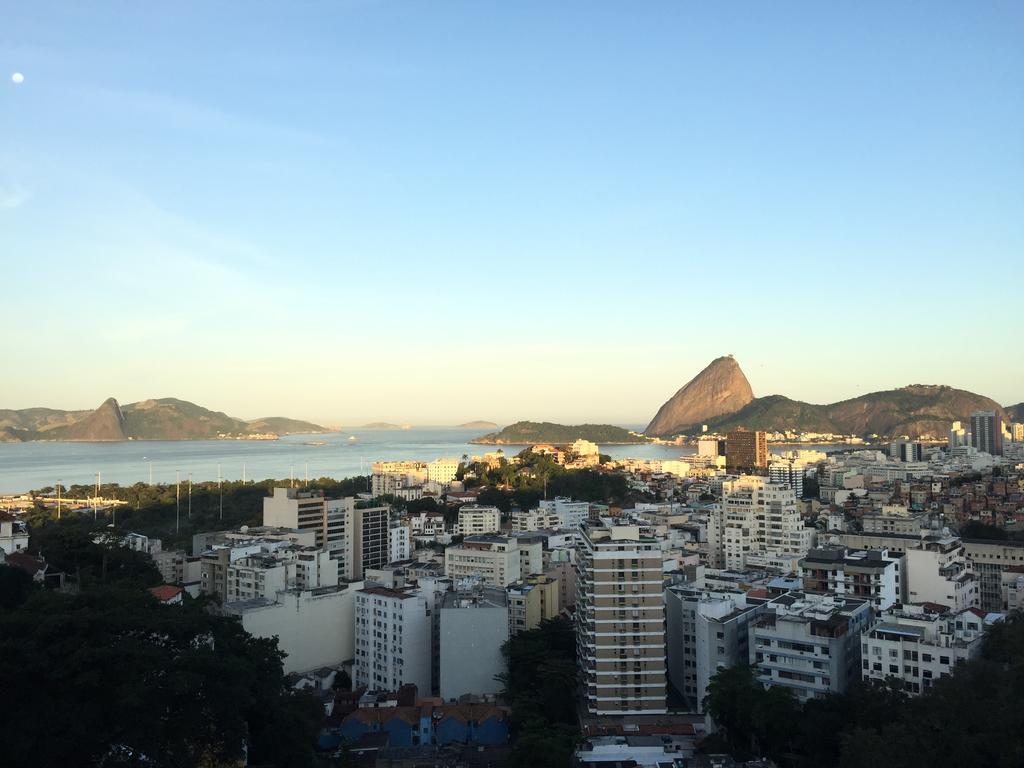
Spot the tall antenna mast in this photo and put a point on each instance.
(189, 495)
(177, 500)
(220, 491)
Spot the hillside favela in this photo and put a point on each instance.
(594, 335)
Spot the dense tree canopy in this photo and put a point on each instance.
(540, 685)
(110, 676)
(538, 476)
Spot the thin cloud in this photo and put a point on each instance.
(13, 196)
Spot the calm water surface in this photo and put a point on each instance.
(24, 466)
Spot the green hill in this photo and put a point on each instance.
(166, 418)
(920, 410)
(532, 432)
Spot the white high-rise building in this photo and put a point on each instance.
(919, 644)
(788, 472)
(872, 574)
(393, 639)
(756, 517)
(571, 514)
(939, 572)
(535, 520)
(399, 541)
(475, 519)
(809, 643)
(442, 471)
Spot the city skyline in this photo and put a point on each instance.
(430, 215)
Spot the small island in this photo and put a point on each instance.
(477, 425)
(534, 432)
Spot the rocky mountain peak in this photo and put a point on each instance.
(719, 389)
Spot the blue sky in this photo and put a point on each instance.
(432, 212)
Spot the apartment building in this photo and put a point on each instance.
(393, 637)
(309, 511)
(473, 627)
(571, 514)
(390, 478)
(938, 571)
(918, 644)
(355, 533)
(314, 628)
(496, 561)
(399, 541)
(871, 574)
(620, 611)
(530, 602)
(442, 471)
(788, 472)
(1012, 586)
(809, 643)
(707, 630)
(13, 534)
(990, 560)
(756, 517)
(535, 520)
(746, 451)
(475, 519)
(261, 569)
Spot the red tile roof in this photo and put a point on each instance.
(31, 565)
(381, 715)
(165, 592)
(471, 712)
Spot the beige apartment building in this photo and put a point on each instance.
(357, 537)
(620, 615)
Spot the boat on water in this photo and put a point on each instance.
(315, 442)
(352, 438)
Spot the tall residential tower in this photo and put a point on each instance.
(620, 615)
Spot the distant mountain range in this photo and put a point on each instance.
(533, 432)
(720, 397)
(164, 419)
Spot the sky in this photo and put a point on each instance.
(436, 212)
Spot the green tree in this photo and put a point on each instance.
(133, 682)
(15, 587)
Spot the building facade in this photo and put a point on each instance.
(473, 627)
(392, 639)
(809, 643)
(746, 451)
(620, 612)
(919, 644)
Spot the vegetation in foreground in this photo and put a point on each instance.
(540, 686)
(971, 719)
(109, 676)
